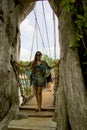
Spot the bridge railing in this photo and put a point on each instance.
(23, 81)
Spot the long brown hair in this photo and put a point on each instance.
(35, 59)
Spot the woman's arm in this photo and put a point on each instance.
(17, 63)
(55, 65)
(51, 67)
(21, 65)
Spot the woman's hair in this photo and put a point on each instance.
(35, 59)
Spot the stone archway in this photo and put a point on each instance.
(71, 97)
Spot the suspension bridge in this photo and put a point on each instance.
(31, 119)
(43, 35)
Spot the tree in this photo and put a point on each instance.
(48, 59)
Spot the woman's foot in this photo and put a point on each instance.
(36, 109)
(39, 113)
(49, 90)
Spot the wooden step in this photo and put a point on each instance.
(37, 114)
(32, 107)
(33, 123)
(31, 128)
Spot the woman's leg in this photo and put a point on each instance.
(49, 86)
(35, 92)
(39, 97)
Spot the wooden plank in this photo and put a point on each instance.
(32, 128)
(33, 123)
(32, 107)
(37, 114)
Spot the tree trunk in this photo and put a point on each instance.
(71, 101)
(71, 77)
(8, 42)
(11, 14)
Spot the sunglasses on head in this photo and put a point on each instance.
(38, 54)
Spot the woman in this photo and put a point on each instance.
(39, 71)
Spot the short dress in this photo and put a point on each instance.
(38, 77)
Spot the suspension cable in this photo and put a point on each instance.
(39, 30)
(54, 24)
(37, 37)
(46, 27)
(36, 31)
(33, 42)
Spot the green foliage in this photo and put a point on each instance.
(49, 60)
(24, 62)
(74, 45)
(67, 4)
(85, 63)
(79, 16)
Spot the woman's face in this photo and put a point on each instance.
(38, 56)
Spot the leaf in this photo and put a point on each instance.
(72, 1)
(85, 63)
(66, 4)
(79, 37)
(74, 45)
(85, 23)
(80, 17)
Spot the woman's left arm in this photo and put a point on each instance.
(51, 67)
(55, 65)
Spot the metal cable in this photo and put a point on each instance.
(39, 30)
(33, 41)
(54, 24)
(46, 27)
(36, 30)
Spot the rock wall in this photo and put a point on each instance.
(10, 17)
(7, 38)
(71, 101)
(8, 88)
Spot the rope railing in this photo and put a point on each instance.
(23, 81)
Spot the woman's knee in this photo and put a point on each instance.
(39, 91)
(35, 90)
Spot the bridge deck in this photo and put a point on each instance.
(36, 121)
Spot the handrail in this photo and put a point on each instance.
(23, 81)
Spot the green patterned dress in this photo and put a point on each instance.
(38, 76)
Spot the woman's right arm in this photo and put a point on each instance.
(17, 63)
(21, 65)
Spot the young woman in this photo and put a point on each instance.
(39, 70)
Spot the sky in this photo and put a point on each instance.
(27, 28)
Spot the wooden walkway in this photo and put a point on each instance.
(36, 121)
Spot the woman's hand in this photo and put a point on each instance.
(55, 65)
(18, 64)
(15, 62)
